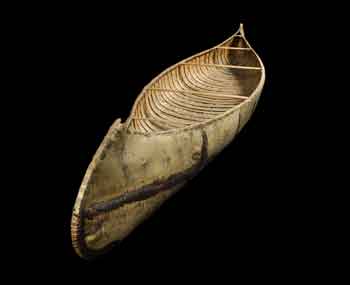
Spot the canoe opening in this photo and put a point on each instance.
(198, 89)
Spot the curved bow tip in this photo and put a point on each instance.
(241, 29)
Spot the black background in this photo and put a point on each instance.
(246, 209)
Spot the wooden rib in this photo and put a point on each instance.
(218, 84)
(147, 125)
(190, 107)
(199, 93)
(157, 117)
(170, 114)
(156, 120)
(185, 99)
(200, 100)
(140, 124)
(173, 107)
(234, 48)
(199, 75)
(149, 110)
(225, 66)
(189, 83)
(158, 113)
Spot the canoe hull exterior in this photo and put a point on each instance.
(126, 162)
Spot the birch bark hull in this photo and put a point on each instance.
(181, 120)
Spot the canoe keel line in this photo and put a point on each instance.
(181, 120)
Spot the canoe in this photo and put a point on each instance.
(180, 121)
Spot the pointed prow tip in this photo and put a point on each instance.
(117, 129)
(241, 29)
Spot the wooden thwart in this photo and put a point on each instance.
(224, 66)
(153, 119)
(234, 48)
(224, 95)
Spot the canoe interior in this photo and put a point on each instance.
(198, 89)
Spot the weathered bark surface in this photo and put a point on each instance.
(137, 167)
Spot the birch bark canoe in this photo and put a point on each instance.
(181, 120)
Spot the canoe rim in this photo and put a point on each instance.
(209, 121)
